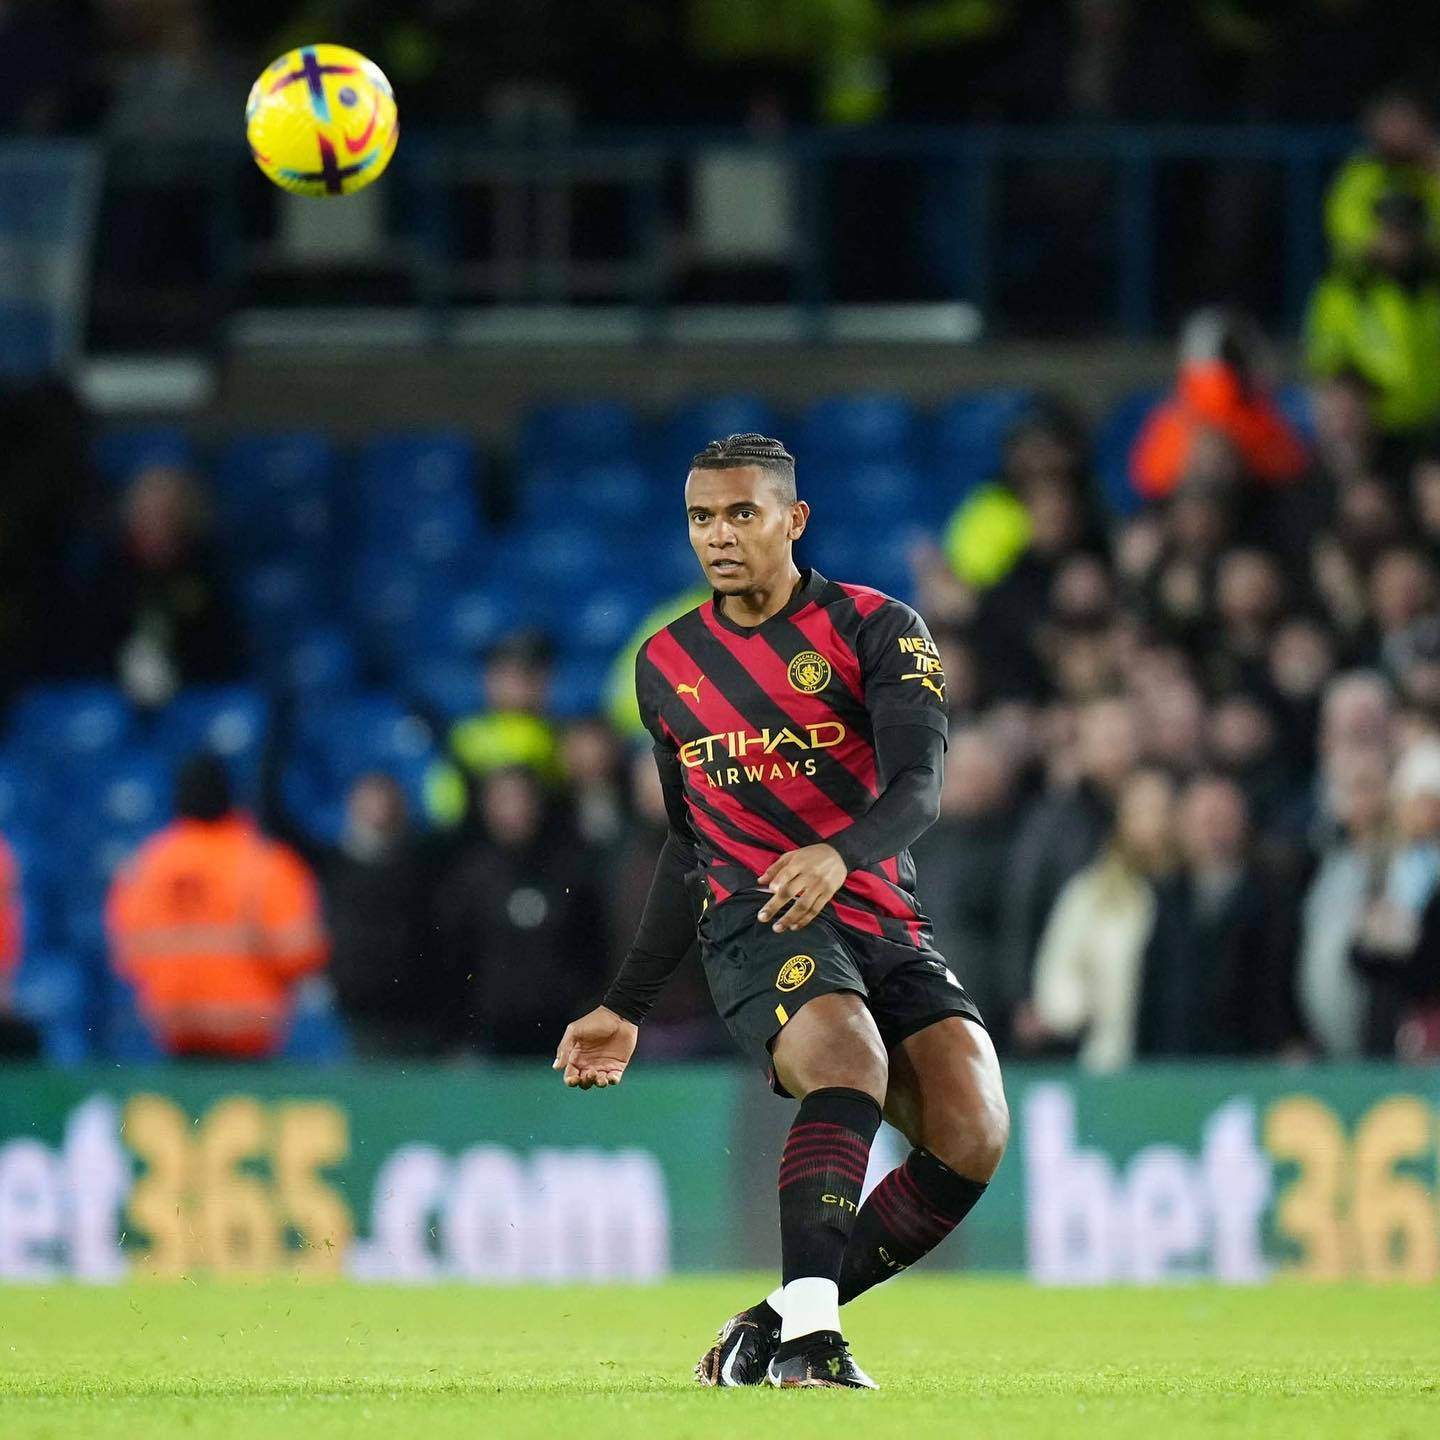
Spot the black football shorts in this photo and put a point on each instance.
(759, 979)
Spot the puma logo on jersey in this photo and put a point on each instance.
(929, 684)
(691, 689)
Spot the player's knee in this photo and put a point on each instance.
(970, 1136)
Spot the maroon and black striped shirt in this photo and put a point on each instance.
(772, 728)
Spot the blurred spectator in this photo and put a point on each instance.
(1007, 545)
(961, 864)
(1090, 963)
(18, 1040)
(524, 922)
(1378, 318)
(1221, 425)
(156, 615)
(1063, 830)
(684, 1023)
(214, 926)
(1218, 974)
(1332, 995)
(591, 757)
(513, 730)
(1389, 932)
(378, 883)
(1402, 157)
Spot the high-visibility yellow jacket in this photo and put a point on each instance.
(1350, 203)
(1388, 333)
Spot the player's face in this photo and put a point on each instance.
(740, 529)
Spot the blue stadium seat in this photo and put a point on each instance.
(579, 432)
(280, 598)
(449, 688)
(440, 531)
(121, 454)
(1113, 442)
(127, 1039)
(693, 424)
(24, 796)
(70, 721)
(477, 618)
(129, 794)
(228, 720)
(571, 558)
(35, 866)
(873, 495)
(879, 560)
(396, 469)
(341, 738)
(50, 992)
(869, 426)
(317, 1034)
(398, 607)
(604, 618)
(320, 660)
(578, 685)
(277, 493)
(968, 439)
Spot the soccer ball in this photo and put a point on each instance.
(321, 121)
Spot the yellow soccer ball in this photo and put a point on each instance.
(321, 120)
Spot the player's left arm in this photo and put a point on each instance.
(905, 697)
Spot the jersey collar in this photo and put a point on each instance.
(812, 582)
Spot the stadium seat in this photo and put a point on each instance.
(323, 659)
(228, 720)
(857, 427)
(127, 794)
(693, 424)
(874, 495)
(276, 494)
(121, 454)
(968, 439)
(317, 1034)
(35, 872)
(477, 618)
(397, 607)
(581, 432)
(278, 598)
(879, 560)
(1113, 442)
(70, 720)
(50, 992)
(449, 689)
(395, 469)
(341, 738)
(578, 685)
(1298, 406)
(24, 797)
(604, 618)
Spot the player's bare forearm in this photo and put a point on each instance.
(595, 1049)
(805, 880)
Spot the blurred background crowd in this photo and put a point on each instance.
(321, 747)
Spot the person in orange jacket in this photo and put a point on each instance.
(1220, 396)
(214, 925)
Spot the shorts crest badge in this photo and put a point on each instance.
(795, 972)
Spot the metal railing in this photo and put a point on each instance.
(475, 219)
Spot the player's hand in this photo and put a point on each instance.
(809, 877)
(595, 1049)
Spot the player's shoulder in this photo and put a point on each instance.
(857, 608)
(681, 628)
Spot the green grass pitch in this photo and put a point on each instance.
(981, 1358)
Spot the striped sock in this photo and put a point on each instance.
(822, 1172)
(905, 1217)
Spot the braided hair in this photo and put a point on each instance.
(768, 455)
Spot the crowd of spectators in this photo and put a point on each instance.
(158, 64)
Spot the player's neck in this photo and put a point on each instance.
(757, 605)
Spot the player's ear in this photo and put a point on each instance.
(799, 516)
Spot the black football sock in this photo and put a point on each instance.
(822, 1172)
(905, 1217)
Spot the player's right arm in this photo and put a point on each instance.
(595, 1049)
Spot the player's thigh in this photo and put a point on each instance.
(947, 1095)
(831, 1041)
